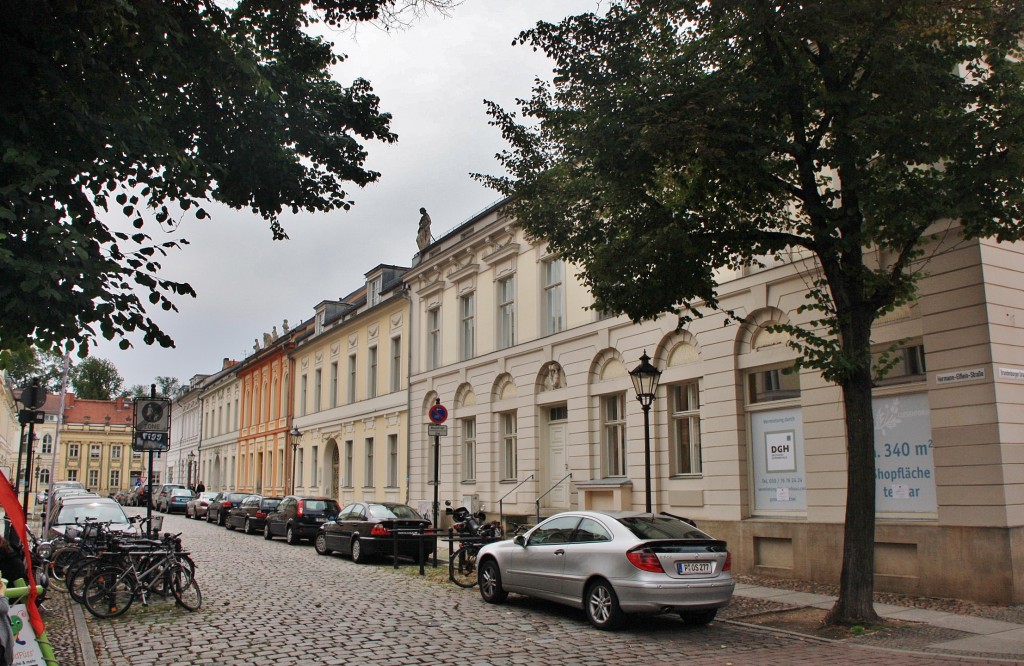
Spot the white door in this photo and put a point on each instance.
(557, 466)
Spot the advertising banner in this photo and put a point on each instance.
(778, 457)
(904, 466)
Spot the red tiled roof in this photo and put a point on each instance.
(119, 411)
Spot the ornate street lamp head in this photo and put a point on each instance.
(295, 435)
(645, 380)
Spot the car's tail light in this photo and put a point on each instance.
(380, 530)
(728, 562)
(645, 560)
(300, 510)
(260, 514)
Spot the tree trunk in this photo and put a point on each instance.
(856, 584)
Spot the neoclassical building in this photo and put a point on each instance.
(350, 387)
(542, 415)
(96, 445)
(218, 448)
(186, 433)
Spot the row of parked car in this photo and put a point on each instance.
(606, 563)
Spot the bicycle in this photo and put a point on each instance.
(462, 564)
(111, 591)
(114, 556)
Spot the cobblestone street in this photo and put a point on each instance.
(271, 603)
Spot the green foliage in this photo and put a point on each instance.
(144, 110)
(682, 137)
(27, 364)
(96, 379)
(166, 387)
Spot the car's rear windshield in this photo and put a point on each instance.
(101, 512)
(661, 527)
(330, 506)
(400, 511)
(269, 503)
(235, 497)
(181, 492)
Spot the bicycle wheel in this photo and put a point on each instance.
(109, 593)
(185, 588)
(463, 566)
(77, 575)
(59, 563)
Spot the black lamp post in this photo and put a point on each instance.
(645, 382)
(191, 458)
(295, 435)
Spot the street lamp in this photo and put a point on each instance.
(191, 458)
(645, 382)
(295, 435)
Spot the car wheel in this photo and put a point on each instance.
(320, 544)
(698, 618)
(357, 552)
(209, 518)
(291, 536)
(248, 527)
(266, 532)
(220, 518)
(602, 606)
(489, 576)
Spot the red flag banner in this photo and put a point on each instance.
(16, 514)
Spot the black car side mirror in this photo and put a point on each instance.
(520, 540)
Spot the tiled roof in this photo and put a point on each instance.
(118, 411)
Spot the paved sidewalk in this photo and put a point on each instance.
(981, 636)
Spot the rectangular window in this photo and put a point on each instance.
(115, 478)
(433, 338)
(94, 478)
(350, 389)
(318, 377)
(115, 452)
(506, 312)
(136, 455)
(302, 395)
(371, 369)
(72, 475)
(73, 450)
(348, 464)
(685, 428)
(773, 384)
(374, 291)
(396, 364)
(314, 477)
(900, 366)
(47, 446)
(299, 464)
(334, 384)
(156, 480)
(392, 461)
(554, 296)
(613, 429)
(467, 328)
(94, 451)
(468, 449)
(369, 463)
(509, 445)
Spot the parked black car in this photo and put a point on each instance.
(298, 518)
(251, 514)
(368, 529)
(218, 508)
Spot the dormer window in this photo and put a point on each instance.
(373, 291)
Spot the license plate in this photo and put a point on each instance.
(321, 519)
(694, 567)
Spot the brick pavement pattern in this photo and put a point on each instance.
(271, 603)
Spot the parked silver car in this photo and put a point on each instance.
(612, 563)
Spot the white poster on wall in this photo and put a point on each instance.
(904, 466)
(777, 438)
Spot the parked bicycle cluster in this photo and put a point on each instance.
(107, 571)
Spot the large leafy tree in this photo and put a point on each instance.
(96, 379)
(144, 110)
(679, 137)
(29, 363)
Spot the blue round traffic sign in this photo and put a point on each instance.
(438, 414)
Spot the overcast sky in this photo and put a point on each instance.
(433, 79)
